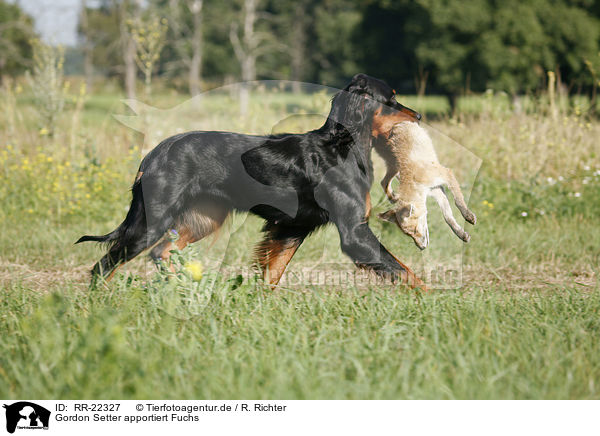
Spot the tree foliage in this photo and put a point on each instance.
(472, 45)
(16, 32)
(102, 31)
(442, 46)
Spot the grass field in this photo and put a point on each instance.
(521, 322)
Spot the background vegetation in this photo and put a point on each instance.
(444, 47)
(523, 321)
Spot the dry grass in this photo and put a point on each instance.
(520, 147)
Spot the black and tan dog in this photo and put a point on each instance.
(295, 182)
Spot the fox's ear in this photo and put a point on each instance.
(395, 215)
(404, 211)
(389, 216)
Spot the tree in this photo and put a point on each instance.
(16, 32)
(292, 24)
(186, 23)
(248, 44)
(528, 39)
(385, 40)
(448, 49)
(298, 45)
(128, 10)
(83, 29)
(149, 34)
(464, 45)
(106, 36)
(514, 51)
(335, 55)
(573, 35)
(99, 33)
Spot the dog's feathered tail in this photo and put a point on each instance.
(112, 236)
(135, 216)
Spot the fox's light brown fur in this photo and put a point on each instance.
(410, 156)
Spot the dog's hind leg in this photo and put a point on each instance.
(131, 238)
(440, 196)
(194, 225)
(123, 252)
(179, 238)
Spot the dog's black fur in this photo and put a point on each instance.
(296, 182)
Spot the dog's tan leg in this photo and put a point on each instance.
(162, 251)
(185, 237)
(410, 278)
(274, 256)
(368, 206)
(193, 226)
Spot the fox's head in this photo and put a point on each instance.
(411, 221)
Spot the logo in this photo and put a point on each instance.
(26, 415)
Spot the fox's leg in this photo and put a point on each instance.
(459, 200)
(440, 196)
(386, 184)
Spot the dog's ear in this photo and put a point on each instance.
(358, 84)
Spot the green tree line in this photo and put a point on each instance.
(421, 46)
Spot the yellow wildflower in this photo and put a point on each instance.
(194, 269)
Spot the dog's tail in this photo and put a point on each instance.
(112, 236)
(136, 216)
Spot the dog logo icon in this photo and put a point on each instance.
(26, 415)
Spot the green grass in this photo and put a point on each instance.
(523, 324)
(314, 343)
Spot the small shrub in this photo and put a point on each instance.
(47, 84)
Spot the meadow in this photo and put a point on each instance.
(519, 321)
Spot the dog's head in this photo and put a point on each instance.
(386, 110)
(411, 222)
(379, 91)
(365, 99)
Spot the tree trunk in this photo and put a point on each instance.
(297, 49)
(88, 66)
(195, 72)
(245, 51)
(249, 63)
(452, 101)
(128, 47)
(517, 106)
(130, 68)
(421, 81)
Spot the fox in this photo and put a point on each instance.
(410, 156)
